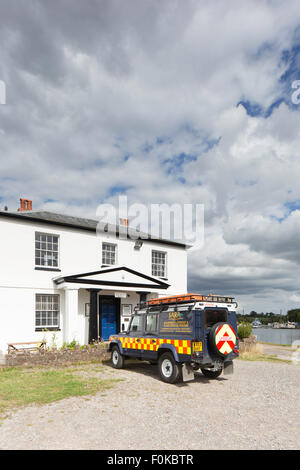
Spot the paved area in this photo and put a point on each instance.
(281, 352)
(258, 407)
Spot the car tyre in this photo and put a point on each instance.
(116, 358)
(212, 339)
(169, 369)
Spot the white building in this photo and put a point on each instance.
(61, 280)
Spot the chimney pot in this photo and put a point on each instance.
(25, 205)
(124, 222)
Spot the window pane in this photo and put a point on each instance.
(158, 263)
(108, 253)
(151, 322)
(137, 323)
(47, 310)
(46, 250)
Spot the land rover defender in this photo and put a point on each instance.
(181, 334)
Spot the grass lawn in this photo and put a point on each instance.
(257, 353)
(256, 356)
(20, 387)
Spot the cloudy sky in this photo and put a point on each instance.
(169, 101)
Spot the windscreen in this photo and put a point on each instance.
(215, 315)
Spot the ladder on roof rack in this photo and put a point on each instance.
(161, 302)
(190, 298)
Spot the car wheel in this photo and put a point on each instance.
(116, 358)
(169, 370)
(212, 373)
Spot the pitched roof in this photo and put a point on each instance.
(132, 278)
(84, 224)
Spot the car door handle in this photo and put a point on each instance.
(138, 340)
(153, 341)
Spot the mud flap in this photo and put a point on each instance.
(187, 372)
(228, 368)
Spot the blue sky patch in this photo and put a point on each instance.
(175, 163)
(292, 206)
(118, 189)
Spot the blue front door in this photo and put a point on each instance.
(108, 318)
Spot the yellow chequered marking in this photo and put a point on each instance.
(152, 344)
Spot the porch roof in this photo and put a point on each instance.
(120, 277)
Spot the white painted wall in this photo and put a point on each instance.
(80, 251)
(17, 316)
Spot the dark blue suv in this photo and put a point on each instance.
(181, 334)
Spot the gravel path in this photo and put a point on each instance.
(281, 352)
(255, 408)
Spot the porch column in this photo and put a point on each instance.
(93, 323)
(71, 315)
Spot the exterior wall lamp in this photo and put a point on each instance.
(138, 244)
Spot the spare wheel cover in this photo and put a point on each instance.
(224, 338)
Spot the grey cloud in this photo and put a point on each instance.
(278, 239)
(89, 83)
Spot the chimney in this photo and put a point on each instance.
(124, 222)
(25, 205)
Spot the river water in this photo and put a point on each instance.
(276, 335)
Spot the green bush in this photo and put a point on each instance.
(244, 330)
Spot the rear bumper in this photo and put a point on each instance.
(207, 360)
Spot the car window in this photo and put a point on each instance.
(151, 323)
(137, 323)
(213, 316)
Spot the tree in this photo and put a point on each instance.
(294, 315)
(253, 313)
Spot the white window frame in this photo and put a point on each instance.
(106, 262)
(46, 249)
(154, 265)
(44, 308)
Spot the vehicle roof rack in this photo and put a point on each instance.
(176, 299)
